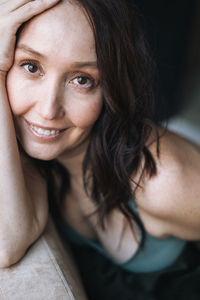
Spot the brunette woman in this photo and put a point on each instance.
(123, 192)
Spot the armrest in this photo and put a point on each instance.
(46, 272)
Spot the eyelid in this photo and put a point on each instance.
(85, 77)
(27, 61)
(31, 62)
(93, 81)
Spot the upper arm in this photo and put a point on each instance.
(25, 229)
(37, 190)
(170, 200)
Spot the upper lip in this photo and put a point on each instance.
(44, 127)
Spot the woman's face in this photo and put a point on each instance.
(53, 85)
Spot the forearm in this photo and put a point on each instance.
(23, 211)
(18, 226)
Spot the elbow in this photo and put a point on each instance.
(7, 259)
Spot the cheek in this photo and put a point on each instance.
(86, 113)
(17, 93)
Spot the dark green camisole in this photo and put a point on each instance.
(163, 269)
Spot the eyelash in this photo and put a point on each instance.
(35, 64)
(88, 86)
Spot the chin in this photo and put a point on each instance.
(40, 155)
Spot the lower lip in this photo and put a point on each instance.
(42, 136)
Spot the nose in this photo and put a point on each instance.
(50, 103)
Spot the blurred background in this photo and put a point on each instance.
(172, 28)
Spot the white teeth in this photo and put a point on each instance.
(45, 131)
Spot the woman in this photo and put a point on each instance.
(79, 91)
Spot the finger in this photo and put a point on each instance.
(31, 9)
(11, 5)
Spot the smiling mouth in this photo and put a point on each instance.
(45, 132)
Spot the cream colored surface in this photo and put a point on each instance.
(46, 272)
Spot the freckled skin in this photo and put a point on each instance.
(51, 97)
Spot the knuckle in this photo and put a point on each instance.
(34, 6)
(7, 24)
(40, 6)
(5, 63)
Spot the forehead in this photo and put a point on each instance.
(60, 32)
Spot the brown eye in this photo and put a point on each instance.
(31, 68)
(82, 80)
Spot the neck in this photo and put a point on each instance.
(73, 160)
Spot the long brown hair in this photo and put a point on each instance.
(118, 139)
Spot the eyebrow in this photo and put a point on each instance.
(28, 49)
(75, 64)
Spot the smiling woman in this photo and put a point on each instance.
(56, 95)
(123, 192)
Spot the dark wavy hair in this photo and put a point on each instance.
(118, 142)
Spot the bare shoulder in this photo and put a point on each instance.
(169, 202)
